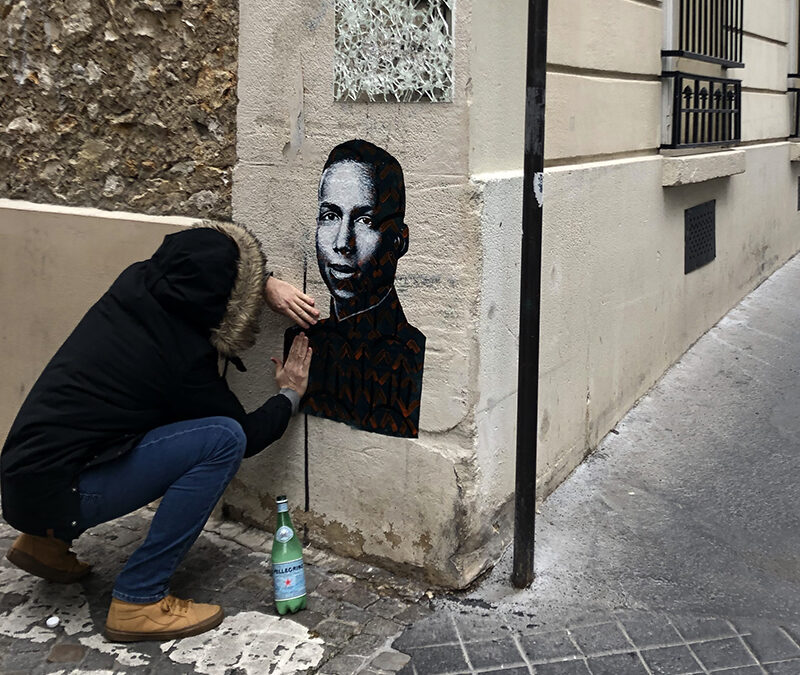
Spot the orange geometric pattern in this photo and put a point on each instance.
(366, 370)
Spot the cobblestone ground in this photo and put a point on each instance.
(355, 611)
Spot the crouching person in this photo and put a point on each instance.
(133, 407)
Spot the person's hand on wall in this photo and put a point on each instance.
(294, 373)
(283, 298)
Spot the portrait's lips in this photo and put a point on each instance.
(342, 272)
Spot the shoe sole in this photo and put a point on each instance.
(129, 636)
(33, 566)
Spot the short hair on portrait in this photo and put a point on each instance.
(387, 177)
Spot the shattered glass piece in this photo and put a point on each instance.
(393, 50)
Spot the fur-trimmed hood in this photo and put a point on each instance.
(212, 275)
(240, 324)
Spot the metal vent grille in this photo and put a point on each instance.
(700, 239)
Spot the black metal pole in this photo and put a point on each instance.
(530, 293)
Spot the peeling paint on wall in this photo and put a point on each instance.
(538, 188)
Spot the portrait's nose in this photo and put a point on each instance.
(345, 239)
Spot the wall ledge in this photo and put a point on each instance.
(699, 168)
(90, 212)
(794, 151)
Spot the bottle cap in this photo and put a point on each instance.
(282, 499)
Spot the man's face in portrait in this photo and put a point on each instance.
(357, 254)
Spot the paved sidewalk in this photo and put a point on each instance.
(623, 642)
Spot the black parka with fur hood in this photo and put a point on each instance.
(145, 355)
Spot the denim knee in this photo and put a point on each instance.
(232, 439)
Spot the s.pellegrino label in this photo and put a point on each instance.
(290, 579)
(287, 564)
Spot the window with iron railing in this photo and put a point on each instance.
(702, 109)
(709, 30)
(705, 111)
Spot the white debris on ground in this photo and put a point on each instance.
(25, 621)
(123, 655)
(252, 642)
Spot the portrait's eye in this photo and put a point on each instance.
(327, 216)
(366, 220)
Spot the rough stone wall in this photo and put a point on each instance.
(119, 104)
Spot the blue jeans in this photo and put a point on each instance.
(189, 464)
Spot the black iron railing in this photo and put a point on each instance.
(705, 110)
(793, 90)
(709, 30)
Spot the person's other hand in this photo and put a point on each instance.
(285, 299)
(294, 373)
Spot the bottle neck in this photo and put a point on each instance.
(283, 519)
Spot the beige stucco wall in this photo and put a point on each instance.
(617, 309)
(54, 263)
(404, 502)
(496, 93)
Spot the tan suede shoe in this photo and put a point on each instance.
(167, 619)
(47, 557)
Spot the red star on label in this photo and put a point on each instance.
(288, 582)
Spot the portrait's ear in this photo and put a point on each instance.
(401, 241)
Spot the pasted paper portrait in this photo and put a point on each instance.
(366, 368)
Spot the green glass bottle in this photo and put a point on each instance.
(287, 564)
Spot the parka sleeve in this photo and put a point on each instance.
(206, 394)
